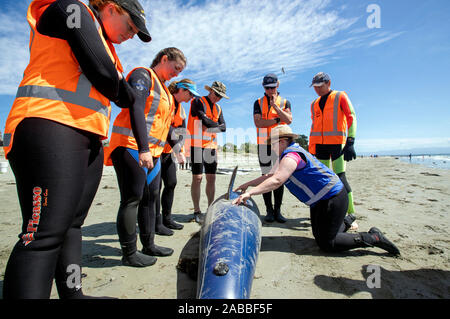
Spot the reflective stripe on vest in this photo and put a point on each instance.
(62, 94)
(335, 131)
(80, 97)
(262, 133)
(159, 108)
(322, 169)
(129, 132)
(195, 127)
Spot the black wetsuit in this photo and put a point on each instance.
(137, 193)
(65, 164)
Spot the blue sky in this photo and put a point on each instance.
(397, 76)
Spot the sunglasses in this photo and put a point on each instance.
(218, 95)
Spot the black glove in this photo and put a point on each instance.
(348, 150)
(126, 96)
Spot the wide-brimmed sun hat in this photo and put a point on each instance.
(219, 88)
(279, 132)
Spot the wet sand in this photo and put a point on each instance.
(409, 203)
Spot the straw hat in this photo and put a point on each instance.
(219, 88)
(279, 132)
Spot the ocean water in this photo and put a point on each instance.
(434, 161)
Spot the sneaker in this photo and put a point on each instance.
(382, 242)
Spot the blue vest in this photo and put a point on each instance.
(314, 182)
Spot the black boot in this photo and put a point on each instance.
(150, 249)
(170, 223)
(160, 229)
(382, 242)
(131, 257)
(270, 217)
(157, 251)
(278, 217)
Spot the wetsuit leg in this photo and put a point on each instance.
(147, 213)
(131, 179)
(339, 168)
(70, 254)
(327, 218)
(55, 166)
(169, 176)
(169, 189)
(265, 163)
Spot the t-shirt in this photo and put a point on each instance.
(297, 158)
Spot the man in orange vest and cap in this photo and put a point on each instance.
(333, 133)
(268, 112)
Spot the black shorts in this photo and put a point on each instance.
(327, 151)
(203, 159)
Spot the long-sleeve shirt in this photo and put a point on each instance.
(198, 111)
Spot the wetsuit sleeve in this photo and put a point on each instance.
(85, 43)
(256, 108)
(197, 110)
(140, 81)
(349, 112)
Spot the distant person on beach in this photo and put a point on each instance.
(53, 135)
(269, 111)
(333, 118)
(137, 142)
(183, 91)
(204, 122)
(314, 184)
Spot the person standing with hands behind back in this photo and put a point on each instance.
(268, 112)
(333, 118)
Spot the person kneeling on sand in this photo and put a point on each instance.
(318, 187)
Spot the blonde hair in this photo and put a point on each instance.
(173, 54)
(100, 4)
(173, 86)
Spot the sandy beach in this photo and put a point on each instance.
(408, 202)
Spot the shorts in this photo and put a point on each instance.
(203, 159)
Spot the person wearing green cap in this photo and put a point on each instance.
(333, 119)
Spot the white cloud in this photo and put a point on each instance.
(14, 56)
(384, 37)
(236, 41)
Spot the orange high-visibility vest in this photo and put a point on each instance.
(54, 87)
(197, 136)
(268, 113)
(159, 108)
(177, 122)
(329, 126)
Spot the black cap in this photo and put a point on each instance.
(319, 79)
(137, 14)
(270, 81)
